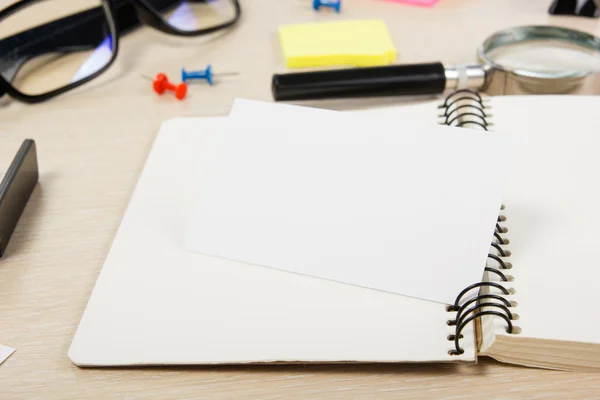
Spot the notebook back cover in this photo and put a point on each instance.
(156, 304)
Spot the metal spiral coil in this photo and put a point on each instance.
(465, 108)
(468, 108)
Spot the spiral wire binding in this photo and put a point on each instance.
(464, 108)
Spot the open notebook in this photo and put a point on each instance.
(156, 304)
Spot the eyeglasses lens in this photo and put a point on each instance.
(50, 44)
(195, 15)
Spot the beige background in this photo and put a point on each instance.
(92, 144)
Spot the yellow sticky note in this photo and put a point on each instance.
(358, 43)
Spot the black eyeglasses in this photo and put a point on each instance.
(48, 47)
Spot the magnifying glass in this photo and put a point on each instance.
(522, 60)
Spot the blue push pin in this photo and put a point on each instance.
(335, 4)
(201, 74)
(206, 74)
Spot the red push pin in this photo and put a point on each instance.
(161, 83)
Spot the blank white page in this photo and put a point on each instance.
(552, 200)
(552, 203)
(156, 304)
(378, 203)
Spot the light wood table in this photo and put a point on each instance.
(92, 144)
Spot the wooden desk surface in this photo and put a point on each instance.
(92, 144)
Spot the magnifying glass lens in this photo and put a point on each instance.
(545, 57)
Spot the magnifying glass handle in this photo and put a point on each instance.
(393, 80)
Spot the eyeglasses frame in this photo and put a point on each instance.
(146, 13)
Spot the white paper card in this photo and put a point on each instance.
(370, 202)
(5, 352)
